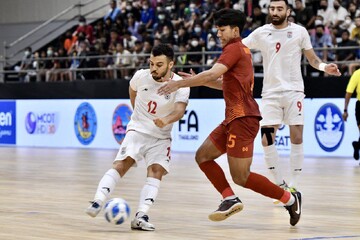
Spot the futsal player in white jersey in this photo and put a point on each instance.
(148, 135)
(281, 44)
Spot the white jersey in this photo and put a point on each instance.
(149, 105)
(281, 50)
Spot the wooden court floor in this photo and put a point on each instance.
(44, 193)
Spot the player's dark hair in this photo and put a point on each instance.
(163, 49)
(230, 17)
(286, 1)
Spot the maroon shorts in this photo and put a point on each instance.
(236, 138)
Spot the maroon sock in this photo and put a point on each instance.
(217, 177)
(264, 186)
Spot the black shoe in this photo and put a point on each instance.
(295, 209)
(356, 149)
(226, 209)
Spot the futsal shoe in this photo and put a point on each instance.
(94, 209)
(226, 209)
(295, 209)
(142, 223)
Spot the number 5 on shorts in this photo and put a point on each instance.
(231, 141)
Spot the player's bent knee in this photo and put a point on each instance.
(239, 180)
(156, 171)
(266, 136)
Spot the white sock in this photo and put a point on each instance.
(272, 161)
(148, 194)
(296, 162)
(230, 197)
(291, 200)
(107, 185)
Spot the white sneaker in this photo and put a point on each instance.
(94, 209)
(142, 223)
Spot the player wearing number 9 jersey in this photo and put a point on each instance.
(148, 134)
(281, 44)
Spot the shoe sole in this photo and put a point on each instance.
(143, 229)
(220, 216)
(91, 214)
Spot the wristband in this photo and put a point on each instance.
(345, 110)
(322, 66)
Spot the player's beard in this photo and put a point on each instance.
(278, 21)
(160, 75)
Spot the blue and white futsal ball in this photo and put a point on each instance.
(117, 210)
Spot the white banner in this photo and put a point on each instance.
(102, 124)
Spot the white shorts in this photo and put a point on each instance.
(140, 146)
(283, 108)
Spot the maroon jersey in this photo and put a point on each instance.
(238, 81)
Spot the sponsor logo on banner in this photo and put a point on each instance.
(120, 120)
(329, 127)
(7, 122)
(282, 139)
(41, 122)
(189, 126)
(85, 123)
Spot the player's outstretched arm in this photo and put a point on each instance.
(315, 62)
(201, 79)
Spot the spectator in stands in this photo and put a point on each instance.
(147, 15)
(355, 36)
(338, 14)
(41, 67)
(78, 61)
(182, 36)
(69, 41)
(355, 33)
(212, 47)
(195, 48)
(99, 33)
(60, 66)
(167, 36)
(321, 39)
(49, 63)
(345, 54)
(161, 21)
(353, 9)
(85, 28)
(138, 60)
(258, 18)
(200, 33)
(182, 58)
(120, 24)
(129, 41)
(113, 11)
(303, 15)
(133, 8)
(122, 61)
(133, 26)
(114, 38)
(325, 11)
(25, 65)
(348, 24)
